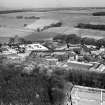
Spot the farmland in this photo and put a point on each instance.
(70, 17)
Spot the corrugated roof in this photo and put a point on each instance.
(87, 96)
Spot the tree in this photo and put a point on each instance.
(58, 87)
(11, 40)
(22, 40)
(88, 41)
(73, 39)
(100, 42)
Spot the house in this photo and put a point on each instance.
(97, 52)
(101, 68)
(72, 56)
(95, 66)
(98, 67)
(35, 47)
(84, 50)
(7, 51)
(22, 45)
(91, 46)
(102, 49)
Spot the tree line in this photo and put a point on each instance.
(87, 78)
(98, 14)
(91, 26)
(36, 88)
(74, 39)
(14, 11)
(27, 17)
(82, 77)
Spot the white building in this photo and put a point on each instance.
(36, 47)
(7, 51)
(42, 24)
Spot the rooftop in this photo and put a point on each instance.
(87, 96)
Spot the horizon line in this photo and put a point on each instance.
(53, 7)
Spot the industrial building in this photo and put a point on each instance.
(36, 47)
(87, 96)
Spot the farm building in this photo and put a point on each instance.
(79, 65)
(43, 24)
(87, 96)
(36, 47)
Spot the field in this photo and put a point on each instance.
(11, 26)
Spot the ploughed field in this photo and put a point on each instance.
(11, 26)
